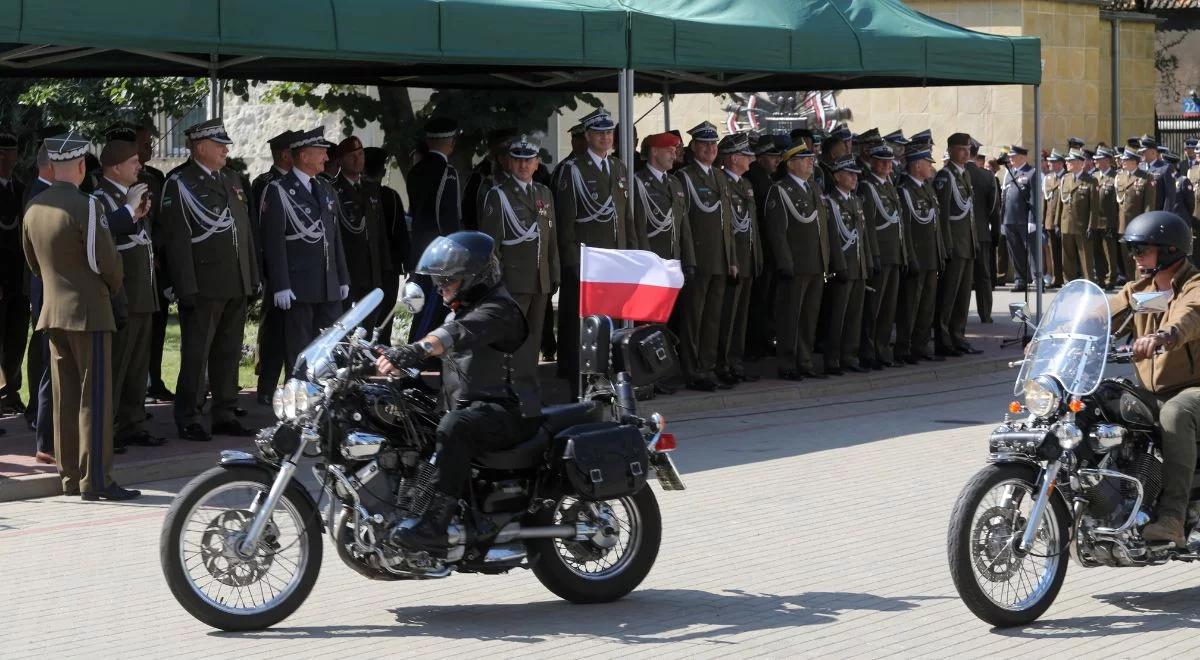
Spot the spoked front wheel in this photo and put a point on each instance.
(1001, 584)
(205, 567)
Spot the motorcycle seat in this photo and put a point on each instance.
(524, 455)
(564, 416)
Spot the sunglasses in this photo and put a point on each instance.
(1138, 249)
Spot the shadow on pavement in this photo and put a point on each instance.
(1154, 611)
(649, 616)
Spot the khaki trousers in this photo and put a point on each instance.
(83, 442)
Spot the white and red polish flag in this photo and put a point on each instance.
(634, 285)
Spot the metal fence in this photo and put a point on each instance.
(1172, 130)
(171, 143)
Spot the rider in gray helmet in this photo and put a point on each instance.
(1160, 243)
(484, 411)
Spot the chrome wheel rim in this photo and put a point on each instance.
(604, 555)
(1012, 581)
(223, 578)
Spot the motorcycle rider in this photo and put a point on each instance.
(1160, 243)
(485, 410)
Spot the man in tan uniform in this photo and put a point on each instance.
(1136, 194)
(518, 213)
(1053, 246)
(67, 244)
(1078, 213)
(1106, 180)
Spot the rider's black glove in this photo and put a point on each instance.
(405, 356)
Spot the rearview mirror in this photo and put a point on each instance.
(413, 298)
(1152, 302)
(1016, 312)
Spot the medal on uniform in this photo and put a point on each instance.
(240, 195)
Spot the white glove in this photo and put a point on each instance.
(1003, 230)
(135, 195)
(169, 293)
(343, 292)
(283, 299)
(1031, 227)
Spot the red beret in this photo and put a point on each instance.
(661, 140)
(346, 146)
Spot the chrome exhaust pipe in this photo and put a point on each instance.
(514, 531)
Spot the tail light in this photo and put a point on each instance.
(666, 443)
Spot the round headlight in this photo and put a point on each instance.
(277, 401)
(284, 401)
(1042, 395)
(307, 397)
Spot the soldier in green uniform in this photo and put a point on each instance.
(797, 224)
(702, 299)
(210, 254)
(1106, 229)
(518, 213)
(1077, 215)
(66, 241)
(589, 205)
(1054, 255)
(848, 223)
(364, 240)
(956, 212)
(1136, 194)
(881, 206)
(925, 256)
(833, 147)
(139, 294)
(736, 155)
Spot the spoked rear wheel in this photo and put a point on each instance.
(208, 574)
(999, 583)
(607, 565)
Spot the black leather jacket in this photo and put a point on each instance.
(479, 339)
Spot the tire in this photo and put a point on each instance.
(294, 502)
(961, 541)
(553, 571)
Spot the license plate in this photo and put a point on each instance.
(664, 470)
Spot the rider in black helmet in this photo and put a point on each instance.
(484, 410)
(1160, 243)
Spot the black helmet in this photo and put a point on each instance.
(466, 256)
(1163, 229)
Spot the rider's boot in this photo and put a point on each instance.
(1166, 528)
(429, 533)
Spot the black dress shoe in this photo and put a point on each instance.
(936, 357)
(858, 369)
(909, 359)
(834, 371)
(702, 385)
(877, 365)
(725, 385)
(727, 379)
(789, 374)
(160, 393)
(113, 493)
(234, 428)
(661, 388)
(985, 319)
(748, 378)
(239, 412)
(948, 352)
(813, 373)
(888, 364)
(119, 448)
(262, 399)
(195, 433)
(141, 439)
(967, 349)
(1020, 288)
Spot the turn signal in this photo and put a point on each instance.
(666, 442)
(1014, 407)
(1076, 405)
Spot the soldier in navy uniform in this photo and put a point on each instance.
(211, 259)
(1159, 169)
(394, 225)
(368, 256)
(735, 158)
(1020, 225)
(436, 208)
(589, 204)
(518, 213)
(302, 246)
(14, 305)
(270, 329)
(482, 176)
(39, 412)
(144, 135)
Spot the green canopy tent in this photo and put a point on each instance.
(582, 45)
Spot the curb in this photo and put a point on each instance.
(48, 484)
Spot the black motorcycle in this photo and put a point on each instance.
(1075, 470)
(241, 545)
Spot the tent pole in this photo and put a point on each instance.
(1037, 199)
(666, 103)
(214, 91)
(625, 81)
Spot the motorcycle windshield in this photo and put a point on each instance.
(1071, 343)
(316, 362)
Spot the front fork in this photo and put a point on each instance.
(262, 507)
(1049, 476)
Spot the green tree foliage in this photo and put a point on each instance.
(476, 111)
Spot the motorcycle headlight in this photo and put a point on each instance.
(307, 397)
(281, 400)
(1042, 395)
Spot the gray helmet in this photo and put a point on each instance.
(1163, 229)
(466, 256)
